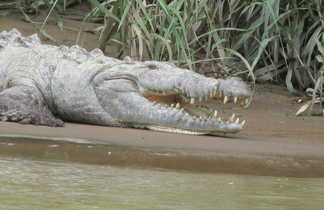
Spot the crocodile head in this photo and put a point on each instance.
(160, 96)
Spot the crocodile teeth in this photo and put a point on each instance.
(232, 117)
(177, 106)
(215, 113)
(172, 105)
(214, 93)
(192, 101)
(243, 123)
(235, 99)
(237, 120)
(246, 101)
(225, 99)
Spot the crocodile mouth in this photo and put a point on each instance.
(200, 108)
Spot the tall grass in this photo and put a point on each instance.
(265, 39)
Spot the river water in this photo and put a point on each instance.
(29, 183)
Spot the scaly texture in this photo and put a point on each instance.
(44, 84)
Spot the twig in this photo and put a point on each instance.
(106, 35)
(318, 87)
(8, 5)
(108, 31)
(49, 13)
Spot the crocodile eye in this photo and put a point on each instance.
(152, 66)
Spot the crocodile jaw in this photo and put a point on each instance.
(184, 96)
(159, 96)
(191, 118)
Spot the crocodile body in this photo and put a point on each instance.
(46, 85)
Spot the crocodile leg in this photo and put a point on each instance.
(22, 104)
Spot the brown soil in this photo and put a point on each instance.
(282, 143)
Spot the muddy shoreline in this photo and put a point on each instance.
(122, 147)
(274, 143)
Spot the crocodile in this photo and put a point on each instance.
(44, 84)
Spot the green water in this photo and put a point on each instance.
(38, 185)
